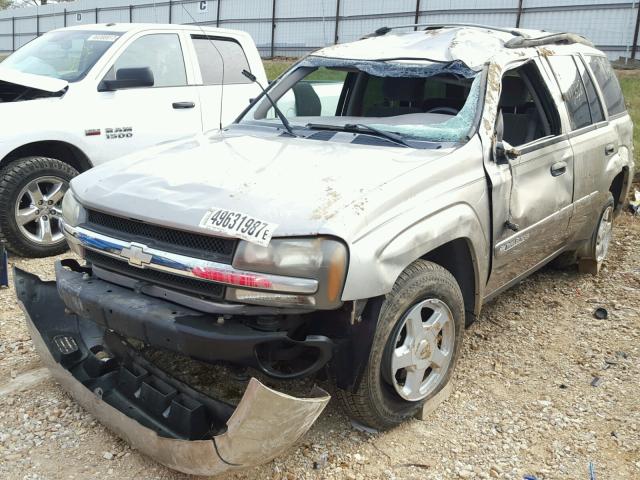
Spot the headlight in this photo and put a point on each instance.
(322, 259)
(72, 212)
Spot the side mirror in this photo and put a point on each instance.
(502, 150)
(128, 78)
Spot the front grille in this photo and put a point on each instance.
(201, 288)
(176, 241)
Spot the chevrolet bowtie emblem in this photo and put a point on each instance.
(136, 255)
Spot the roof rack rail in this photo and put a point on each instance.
(434, 26)
(552, 39)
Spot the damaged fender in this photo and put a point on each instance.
(158, 415)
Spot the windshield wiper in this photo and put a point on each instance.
(279, 113)
(361, 128)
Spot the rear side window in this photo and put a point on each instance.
(608, 83)
(212, 51)
(573, 90)
(597, 114)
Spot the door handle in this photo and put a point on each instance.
(609, 149)
(558, 168)
(183, 105)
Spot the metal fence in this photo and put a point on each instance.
(295, 27)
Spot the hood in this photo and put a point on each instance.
(298, 184)
(37, 82)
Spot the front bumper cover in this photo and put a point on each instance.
(158, 415)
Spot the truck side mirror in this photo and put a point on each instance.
(128, 78)
(502, 150)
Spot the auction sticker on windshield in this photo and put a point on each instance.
(239, 225)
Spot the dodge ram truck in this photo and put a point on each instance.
(80, 96)
(349, 240)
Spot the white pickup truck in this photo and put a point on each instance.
(77, 97)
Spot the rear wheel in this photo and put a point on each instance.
(415, 347)
(600, 240)
(32, 189)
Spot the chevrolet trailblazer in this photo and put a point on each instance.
(412, 177)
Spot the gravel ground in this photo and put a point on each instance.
(542, 388)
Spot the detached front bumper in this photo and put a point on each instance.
(158, 415)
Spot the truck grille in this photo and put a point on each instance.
(200, 288)
(176, 241)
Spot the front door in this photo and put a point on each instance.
(128, 120)
(532, 193)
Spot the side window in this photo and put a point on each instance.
(162, 53)
(572, 89)
(608, 83)
(527, 107)
(597, 114)
(210, 50)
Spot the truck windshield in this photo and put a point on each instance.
(411, 100)
(66, 54)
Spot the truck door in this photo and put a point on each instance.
(127, 120)
(222, 59)
(593, 140)
(533, 192)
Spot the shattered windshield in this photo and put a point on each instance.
(399, 100)
(66, 54)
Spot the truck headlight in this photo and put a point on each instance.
(320, 258)
(73, 213)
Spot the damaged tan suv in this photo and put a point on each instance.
(346, 228)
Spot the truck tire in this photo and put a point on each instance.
(31, 191)
(590, 263)
(600, 240)
(415, 348)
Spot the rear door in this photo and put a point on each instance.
(592, 139)
(131, 119)
(221, 60)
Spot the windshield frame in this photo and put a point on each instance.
(241, 121)
(44, 40)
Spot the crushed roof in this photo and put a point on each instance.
(473, 45)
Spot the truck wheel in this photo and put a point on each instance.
(31, 191)
(600, 240)
(415, 347)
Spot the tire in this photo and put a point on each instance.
(31, 237)
(600, 240)
(377, 402)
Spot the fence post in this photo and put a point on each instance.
(417, 17)
(13, 34)
(130, 13)
(170, 11)
(37, 24)
(273, 30)
(97, 10)
(635, 35)
(64, 22)
(335, 37)
(519, 13)
(218, 13)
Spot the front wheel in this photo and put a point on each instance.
(31, 192)
(415, 347)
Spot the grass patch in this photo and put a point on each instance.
(275, 67)
(2, 57)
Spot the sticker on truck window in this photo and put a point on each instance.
(239, 225)
(103, 38)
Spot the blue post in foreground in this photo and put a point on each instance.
(4, 266)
